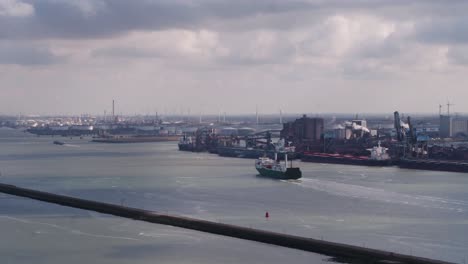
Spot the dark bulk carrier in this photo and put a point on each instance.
(231, 142)
(378, 157)
(135, 134)
(134, 139)
(251, 153)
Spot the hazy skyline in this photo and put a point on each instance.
(208, 56)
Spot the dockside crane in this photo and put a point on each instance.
(397, 125)
(410, 145)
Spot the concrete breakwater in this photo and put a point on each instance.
(302, 243)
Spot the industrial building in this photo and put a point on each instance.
(303, 132)
(453, 126)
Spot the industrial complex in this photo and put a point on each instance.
(419, 142)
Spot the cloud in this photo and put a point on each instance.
(27, 55)
(124, 52)
(101, 18)
(351, 43)
(445, 30)
(169, 44)
(434, 21)
(458, 55)
(315, 48)
(15, 8)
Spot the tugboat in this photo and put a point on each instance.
(274, 169)
(186, 143)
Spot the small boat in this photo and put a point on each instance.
(274, 169)
(186, 143)
(56, 142)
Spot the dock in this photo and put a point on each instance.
(435, 165)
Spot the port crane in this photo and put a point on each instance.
(410, 144)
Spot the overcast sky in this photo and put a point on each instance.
(210, 56)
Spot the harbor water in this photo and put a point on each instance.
(423, 213)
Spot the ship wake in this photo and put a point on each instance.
(382, 195)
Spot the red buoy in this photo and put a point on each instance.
(267, 214)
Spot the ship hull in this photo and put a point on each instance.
(289, 174)
(135, 139)
(240, 152)
(345, 160)
(250, 153)
(186, 147)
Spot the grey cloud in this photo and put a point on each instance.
(14, 8)
(440, 22)
(27, 55)
(435, 21)
(124, 52)
(243, 60)
(237, 57)
(101, 18)
(66, 20)
(447, 30)
(458, 55)
(383, 49)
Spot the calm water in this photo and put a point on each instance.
(408, 211)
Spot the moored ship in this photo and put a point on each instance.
(276, 150)
(241, 152)
(134, 139)
(378, 157)
(251, 153)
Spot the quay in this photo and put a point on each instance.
(353, 253)
(435, 165)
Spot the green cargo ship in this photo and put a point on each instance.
(274, 169)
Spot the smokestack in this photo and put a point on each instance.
(113, 109)
(397, 125)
